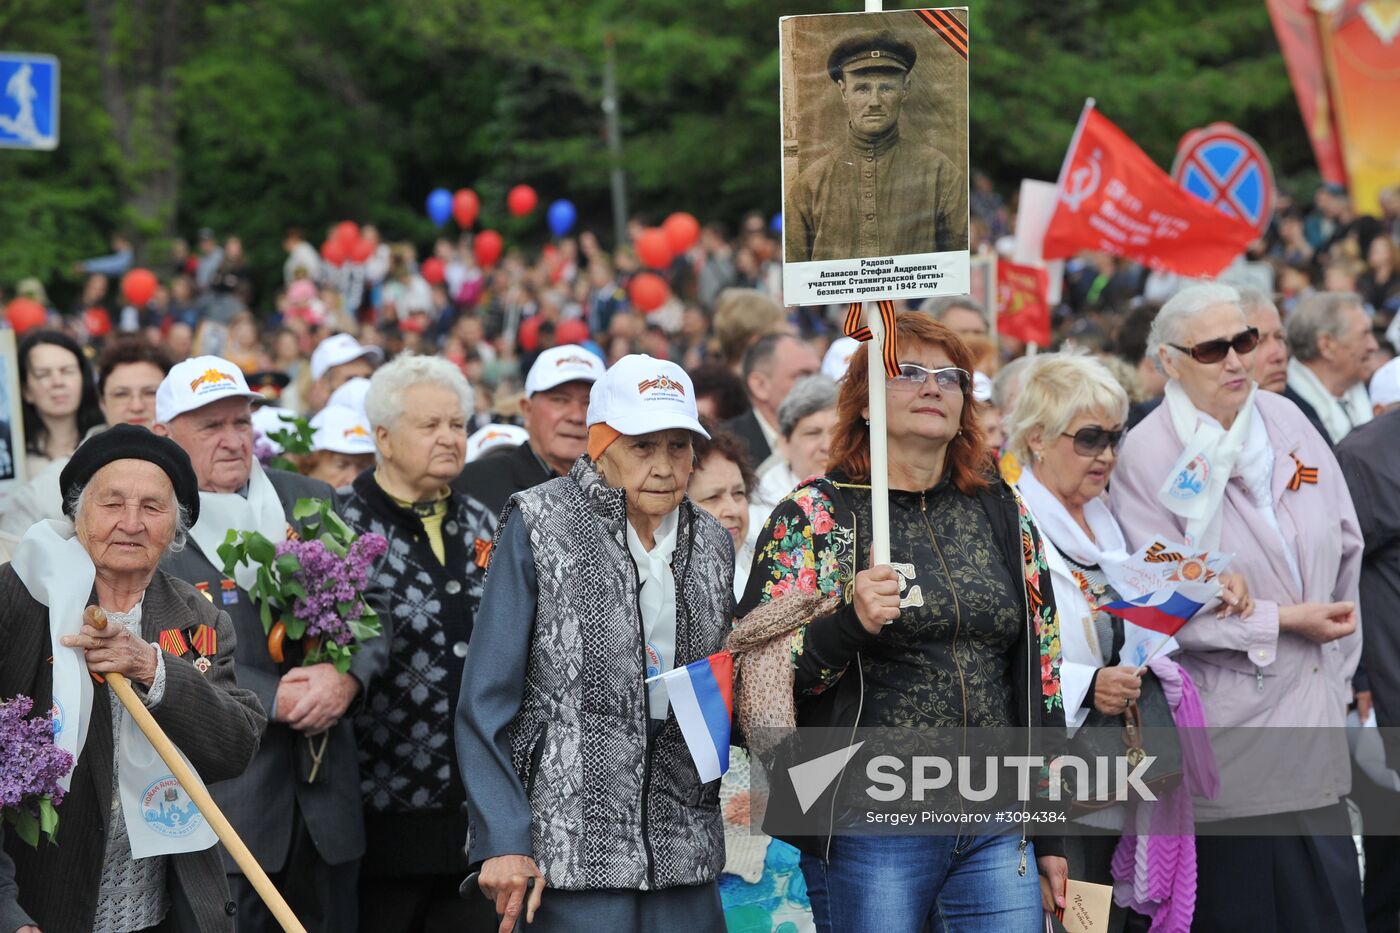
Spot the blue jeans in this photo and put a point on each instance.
(909, 884)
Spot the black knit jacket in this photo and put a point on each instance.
(408, 764)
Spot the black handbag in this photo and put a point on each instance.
(1145, 728)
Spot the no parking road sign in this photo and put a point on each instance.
(28, 101)
(1225, 167)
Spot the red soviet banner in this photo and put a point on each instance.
(1295, 24)
(1112, 197)
(1023, 311)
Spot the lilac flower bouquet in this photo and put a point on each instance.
(30, 769)
(310, 589)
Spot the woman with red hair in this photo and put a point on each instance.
(958, 631)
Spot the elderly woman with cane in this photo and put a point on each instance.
(132, 496)
(577, 775)
(1224, 467)
(958, 631)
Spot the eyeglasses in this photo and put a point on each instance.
(1213, 351)
(1094, 440)
(913, 376)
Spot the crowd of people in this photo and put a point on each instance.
(577, 497)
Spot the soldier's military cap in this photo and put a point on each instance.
(869, 50)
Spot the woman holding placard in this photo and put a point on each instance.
(956, 634)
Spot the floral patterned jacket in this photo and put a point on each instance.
(810, 547)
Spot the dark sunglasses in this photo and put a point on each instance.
(1213, 351)
(1092, 441)
(949, 378)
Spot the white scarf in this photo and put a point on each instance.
(160, 818)
(1195, 487)
(1340, 416)
(220, 513)
(657, 601)
(1108, 547)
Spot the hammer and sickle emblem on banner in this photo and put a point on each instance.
(1083, 182)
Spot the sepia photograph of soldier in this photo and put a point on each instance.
(875, 136)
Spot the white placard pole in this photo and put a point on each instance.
(879, 440)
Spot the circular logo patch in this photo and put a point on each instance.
(57, 713)
(168, 810)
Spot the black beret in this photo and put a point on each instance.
(131, 442)
(882, 50)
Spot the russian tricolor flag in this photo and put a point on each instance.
(1165, 610)
(702, 695)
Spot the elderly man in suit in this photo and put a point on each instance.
(132, 497)
(771, 365)
(308, 834)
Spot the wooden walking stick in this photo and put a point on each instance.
(193, 786)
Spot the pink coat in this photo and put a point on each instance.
(1248, 673)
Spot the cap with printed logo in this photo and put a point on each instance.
(559, 365)
(342, 431)
(494, 436)
(202, 380)
(339, 349)
(641, 394)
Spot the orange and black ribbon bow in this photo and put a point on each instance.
(855, 327)
(1301, 474)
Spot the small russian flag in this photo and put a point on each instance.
(702, 696)
(1165, 610)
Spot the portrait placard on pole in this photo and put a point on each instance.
(875, 155)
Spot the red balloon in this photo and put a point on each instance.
(347, 233)
(139, 286)
(648, 292)
(465, 207)
(433, 270)
(529, 337)
(574, 330)
(24, 313)
(682, 231)
(487, 247)
(333, 252)
(521, 200)
(361, 250)
(97, 321)
(654, 248)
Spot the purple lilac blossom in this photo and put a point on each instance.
(329, 580)
(30, 764)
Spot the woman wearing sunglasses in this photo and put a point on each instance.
(958, 634)
(1228, 469)
(1067, 427)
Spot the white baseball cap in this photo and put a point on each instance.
(558, 365)
(493, 436)
(350, 395)
(641, 394)
(838, 357)
(1385, 384)
(342, 431)
(200, 381)
(268, 418)
(339, 349)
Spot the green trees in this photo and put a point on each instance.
(249, 115)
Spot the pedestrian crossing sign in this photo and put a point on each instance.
(28, 101)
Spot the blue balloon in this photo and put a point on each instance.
(440, 206)
(776, 224)
(561, 217)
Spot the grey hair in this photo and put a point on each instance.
(384, 400)
(809, 395)
(1314, 315)
(1056, 388)
(1006, 384)
(1252, 300)
(1170, 323)
(74, 505)
(939, 307)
